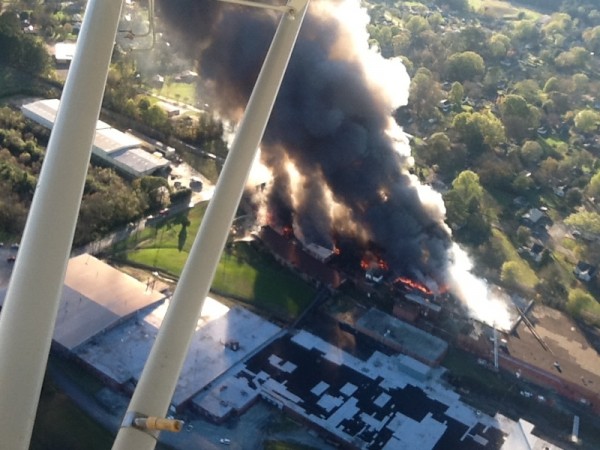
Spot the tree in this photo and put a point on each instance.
(155, 191)
(416, 25)
(498, 45)
(559, 23)
(510, 274)
(525, 32)
(552, 85)
(456, 94)
(465, 66)
(523, 235)
(531, 152)
(519, 118)
(575, 58)
(574, 197)
(579, 301)
(424, 95)
(529, 90)
(593, 187)
(156, 117)
(479, 130)
(587, 120)
(580, 83)
(464, 206)
(586, 222)
(591, 38)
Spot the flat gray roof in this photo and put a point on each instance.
(139, 161)
(120, 353)
(111, 140)
(95, 298)
(429, 347)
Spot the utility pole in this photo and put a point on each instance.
(34, 292)
(157, 383)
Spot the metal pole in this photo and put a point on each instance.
(157, 383)
(34, 292)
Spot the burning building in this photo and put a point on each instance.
(339, 161)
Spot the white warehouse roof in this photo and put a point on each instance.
(121, 150)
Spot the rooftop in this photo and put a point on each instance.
(368, 404)
(384, 326)
(95, 298)
(120, 354)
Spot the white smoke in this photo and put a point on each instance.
(475, 293)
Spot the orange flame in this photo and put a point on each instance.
(414, 285)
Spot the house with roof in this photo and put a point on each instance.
(584, 271)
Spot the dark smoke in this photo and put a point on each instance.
(332, 122)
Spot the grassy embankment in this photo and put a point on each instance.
(501, 9)
(244, 273)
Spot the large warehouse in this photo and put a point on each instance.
(96, 297)
(120, 150)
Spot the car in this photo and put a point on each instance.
(225, 441)
(11, 259)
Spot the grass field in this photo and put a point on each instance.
(500, 9)
(61, 425)
(244, 273)
(184, 92)
(527, 277)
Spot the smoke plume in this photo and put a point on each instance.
(339, 162)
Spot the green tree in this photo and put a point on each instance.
(498, 45)
(579, 301)
(531, 152)
(575, 58)
(587, 120)
(529, 90)
(586, 222)
(525, 32)
(510, 274)
(479, 130)
(424, 95)
(519, 118)
(523, 235)
(456, 94)
(465, 66)
(465, 212)
(552, 85)
(593, 187)
(416, 25)
(156, 117)
(559, 23)
(591, 38)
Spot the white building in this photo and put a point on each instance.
(120, 150)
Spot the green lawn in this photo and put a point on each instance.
(527, 276)
(61, 425)
(244, 273)
(500, 9)
(183, 92)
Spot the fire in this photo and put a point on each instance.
(414, 285)
(288, 231)
(364, 264)
(371, 261)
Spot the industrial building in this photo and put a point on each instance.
(402, 337)
(120, 150)
(223, 338)
(382, 403)
(95, 298)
